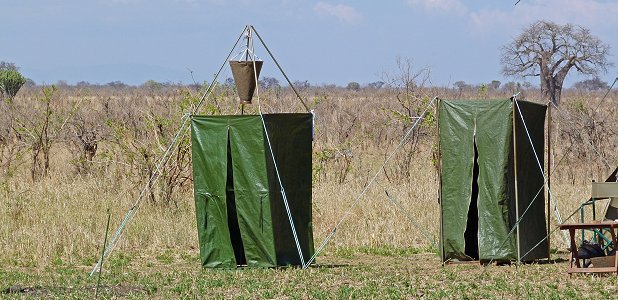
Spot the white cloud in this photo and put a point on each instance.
(125, 1)
(218, 2)
(593, 14)
(345, 14)
(440, 5)
(508, 19)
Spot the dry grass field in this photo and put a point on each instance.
(68, 155)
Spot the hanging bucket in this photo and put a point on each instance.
(244, 78)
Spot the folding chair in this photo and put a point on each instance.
(607, 190)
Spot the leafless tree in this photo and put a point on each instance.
(409, 83)
(40, 126)
(550, 51)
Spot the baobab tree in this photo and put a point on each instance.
(550, 51)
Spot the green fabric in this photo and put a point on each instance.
(291, 137)
(251, 190)
(462, 125)
(457, 153)
(487, 126)
(494, 142)
(237, 194)
(533, 226)
(209, 153)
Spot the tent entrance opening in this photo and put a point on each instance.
(472, 223)
(232, 216)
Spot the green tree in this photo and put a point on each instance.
(495, 84)
(462, 85)
(8, 66)
(10, 83)
(593, 84)
(353, 86)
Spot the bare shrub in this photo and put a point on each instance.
(408, 84)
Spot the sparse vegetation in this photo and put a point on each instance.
(102, 143)
(354, 274)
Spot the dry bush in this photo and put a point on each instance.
(106, 142)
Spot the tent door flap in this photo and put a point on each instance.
(232, 220)
(471, 234)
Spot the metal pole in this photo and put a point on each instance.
(514, 133)
(247, 58)
(439, 162)
(280, 69)
(96, 293)
(548, 181)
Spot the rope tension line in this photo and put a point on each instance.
(602, 99)
(411, 219)
(280, 69)
(591, 118)
(564, 156)
(373, 179)
(550, 233)
(593, 148)
(272, 153)
(556, 211)
(538, 162)
(162, 162)
(284, 195)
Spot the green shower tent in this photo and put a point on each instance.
(240, 209)
(490, 180)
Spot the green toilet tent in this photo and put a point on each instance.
(241, 216)
(488, 177)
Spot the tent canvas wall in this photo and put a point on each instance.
(488, 177)
(241, 217)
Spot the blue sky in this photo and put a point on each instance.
(329, 41)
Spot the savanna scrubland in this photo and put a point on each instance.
(69, 153)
